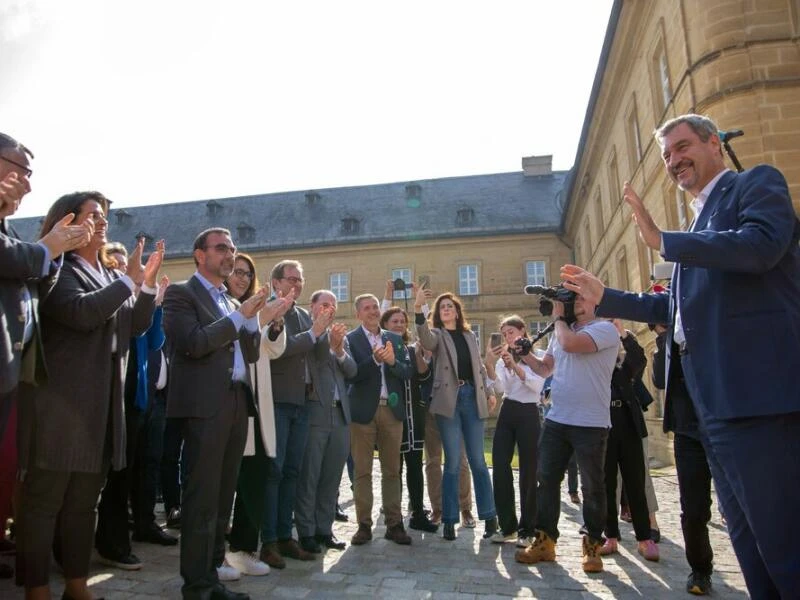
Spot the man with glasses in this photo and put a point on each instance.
(24, 267)
(291, 389)
(212, 339)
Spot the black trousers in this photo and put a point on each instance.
(517, 427)
(415, 481)
(625, 449)
(694, 484)
(171, 471)
(46, 495)
(213, 450)
(251, 488)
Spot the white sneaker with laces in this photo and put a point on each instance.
(226, 572)
(524, 541)
(247, 563)
(498, 537)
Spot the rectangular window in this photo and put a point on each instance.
(340, 286)
(468, 280)
(588, 232)
(405, 275)
(663, 71)
(622, 269)
(680, 204)
(476, 329)
(598, 207)
(535, 273)
(613, 180)
(634, 136)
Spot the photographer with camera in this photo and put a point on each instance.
(581, 357)
(517, 425)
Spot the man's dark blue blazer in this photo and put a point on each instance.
(738, 276)
(364, 388)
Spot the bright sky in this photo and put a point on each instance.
(158, 101)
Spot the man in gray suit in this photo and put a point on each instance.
(329, 435)
(291, 388)
(212, 338)
(22, 266)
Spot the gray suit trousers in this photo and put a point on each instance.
(321, 473)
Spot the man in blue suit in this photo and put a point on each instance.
(377, 413)
(734, 314)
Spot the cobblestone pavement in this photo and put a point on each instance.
(433, 568)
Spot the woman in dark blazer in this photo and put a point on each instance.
(72, 427)
(395, 319)
(461, 401)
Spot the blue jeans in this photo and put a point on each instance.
(467, 424)
(558, 443)
(291, 436)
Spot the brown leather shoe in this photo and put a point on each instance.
(270, 555)
(293, 550)
(362, 536)
(398, 535)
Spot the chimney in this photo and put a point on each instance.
(537, 165)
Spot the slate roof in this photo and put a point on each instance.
(469, 206)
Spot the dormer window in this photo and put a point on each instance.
(213, 208)
(465, 216)
(247, 232)
(350, 225)
(413, 190)
(148, 239)
(312, 197)
(123, 217)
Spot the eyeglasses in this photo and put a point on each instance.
(28, 172)
(222, 248)
(243, 273)
(293, 280)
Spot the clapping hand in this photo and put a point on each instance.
(64, 237)
(336, 337)
(274, 309)
(12, 188)
(385, 354)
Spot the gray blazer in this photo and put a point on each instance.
(327, 374)
(201, 350)
(63, 423)
(21, 265)
(289, 371)
(445, 374)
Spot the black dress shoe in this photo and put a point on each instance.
(309, 544)
(220, 592)
(449, 532)
(330, 541)
(489, 528)
(340, 515)
(174, 518)
(421, 522)
(154, 535)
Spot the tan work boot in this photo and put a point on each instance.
(592, 563)
(543, 548)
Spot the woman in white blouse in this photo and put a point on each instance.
(517, 425)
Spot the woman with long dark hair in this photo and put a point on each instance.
(395, 319)
(461, 402)
(72, 427)
(517, 425)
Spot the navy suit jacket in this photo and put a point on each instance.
(365, 386)
(738, 277)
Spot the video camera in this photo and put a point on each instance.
(555, 292)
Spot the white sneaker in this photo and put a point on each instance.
(226, 572)
(247, 563)
(498, 537)
(524, 541)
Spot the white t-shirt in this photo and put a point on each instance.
(581, 386)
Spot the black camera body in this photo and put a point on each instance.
(555, 292)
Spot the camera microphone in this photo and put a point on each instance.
(534, 290)
(726, 136)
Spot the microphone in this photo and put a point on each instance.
(534, 290)
(726, 136)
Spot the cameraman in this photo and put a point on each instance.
(581, 357)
